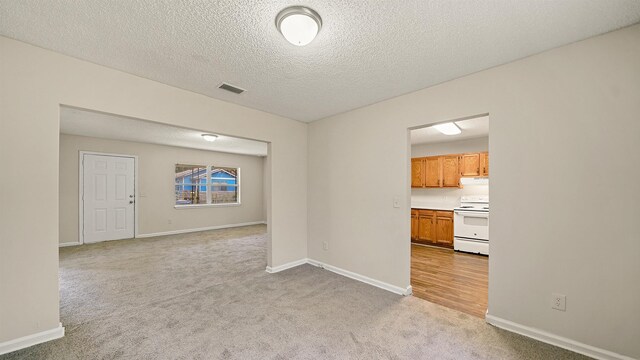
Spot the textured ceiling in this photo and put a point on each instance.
(470, 128)
(367, 50)
(89, 123)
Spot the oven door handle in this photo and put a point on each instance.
(472, 214)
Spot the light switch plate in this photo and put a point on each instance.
(396, 202)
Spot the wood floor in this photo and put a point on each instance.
(456, 280)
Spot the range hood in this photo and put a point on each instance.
(474, 181)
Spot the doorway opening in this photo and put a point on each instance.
(203, 211)
(124, 178)
(450, 213)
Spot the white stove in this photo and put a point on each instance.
(471, 225)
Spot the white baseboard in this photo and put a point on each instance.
(185, 231)
(367, 280)
(556, 340)
(275, 269)
(30, 340)
(69, 244)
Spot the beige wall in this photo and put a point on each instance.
(156, 166)
(33, 84)
(564, 199)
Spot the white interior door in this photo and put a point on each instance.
(108, 197)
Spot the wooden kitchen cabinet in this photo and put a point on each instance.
(470, 164)
(433, 171)
(431, 227)
(450, 172)
(417, 172)
(414, 224)
(444, 228)
(426, 226)
(446, 170)
(484, 164)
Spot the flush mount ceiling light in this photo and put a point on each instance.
(210, 137)
(298, 24)
(449, 128)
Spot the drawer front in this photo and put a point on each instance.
(422, 212)
(447, 214)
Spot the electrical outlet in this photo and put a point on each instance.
(169, 221)
(325, 245)
(559, 302)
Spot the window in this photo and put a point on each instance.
(224, 185)
(206, 185)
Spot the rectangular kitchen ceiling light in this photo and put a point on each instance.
(449, 128)
(233, 89)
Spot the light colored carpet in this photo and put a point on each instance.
(206, 296)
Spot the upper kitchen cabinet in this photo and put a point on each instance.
(470, 164)
(433, 171)
(484, 164)
(450, 174)
(417, 172)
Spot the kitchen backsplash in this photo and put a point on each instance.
(445, 197)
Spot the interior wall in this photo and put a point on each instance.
(447, 198)
(34, 82)
(156, 200)
(564, 138)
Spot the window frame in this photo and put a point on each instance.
(209, 185)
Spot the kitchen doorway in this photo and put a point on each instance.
(450, 214)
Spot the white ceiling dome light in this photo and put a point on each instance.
(210, 137)
(298, 24)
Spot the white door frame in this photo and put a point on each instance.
(82, 153)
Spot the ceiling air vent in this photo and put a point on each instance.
(233, 89)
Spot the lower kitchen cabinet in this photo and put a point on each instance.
(414, 224)
(432, 227)
(444, 228)
(426, 226)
